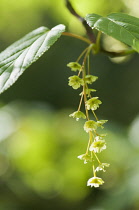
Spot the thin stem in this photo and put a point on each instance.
(94, 171)
(79, 73)
(98, 42)
(77, 37)
(84, 74)
(91, 137)
(81, 54)
(95, 116)
(90, 141)
(88, 145)
(88, 64)
(85, 99)
(80, 102)
(84, 93)
(96, 157)
(96, 133)
(94, 112)
(87, 53)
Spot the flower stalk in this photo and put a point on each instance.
(96, 143)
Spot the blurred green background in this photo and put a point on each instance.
(39, 143)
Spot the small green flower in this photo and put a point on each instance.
(89, 79)
(77, 115)
(87, 158)
(101, 122)
(88, 92)
(101, 167)
(75, 82)
(95, 182)
(93, 103)
(98, 145)
(103, 135)
(74, 66)
(90, 125)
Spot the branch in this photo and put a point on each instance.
(88, 29)
(77, 37)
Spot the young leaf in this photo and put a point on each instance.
(122, 27)
(20, 55)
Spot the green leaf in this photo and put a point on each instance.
(20, 55)
(122, 27)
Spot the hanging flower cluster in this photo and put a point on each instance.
(96, 142)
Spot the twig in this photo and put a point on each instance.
(77, 37)
(88, 29)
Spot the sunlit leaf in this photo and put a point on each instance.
(20, 55)
(122, 27)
